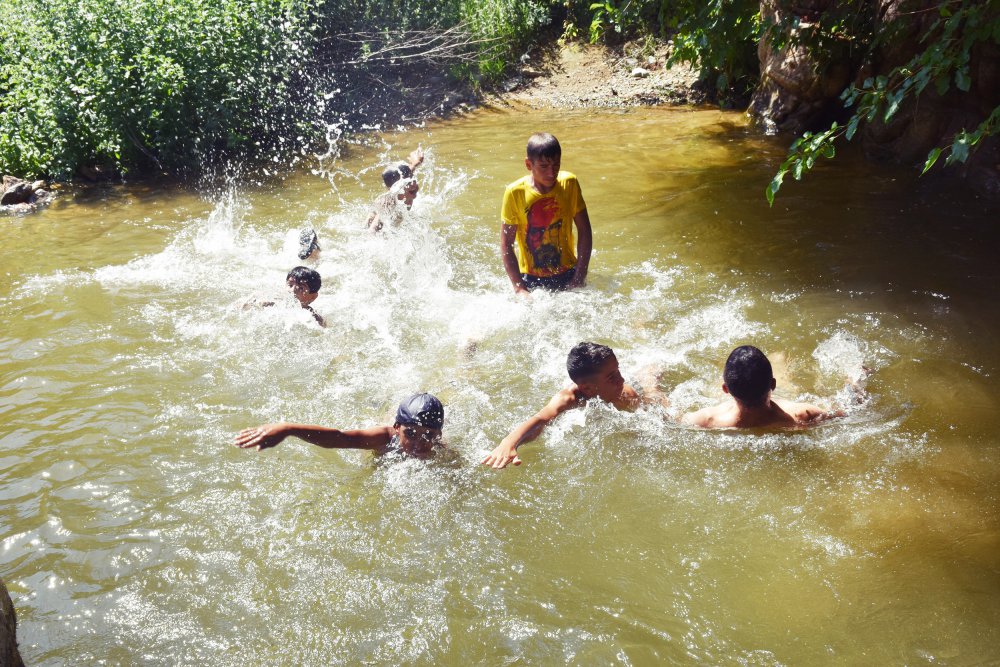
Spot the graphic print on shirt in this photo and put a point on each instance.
(544, 228)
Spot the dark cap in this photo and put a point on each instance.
(421, 410)
(307, 242)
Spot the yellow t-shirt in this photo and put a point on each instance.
(545, 244)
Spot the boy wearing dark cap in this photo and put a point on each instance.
(593, 368)
(308, 245)
(415, 432)
(538, 214)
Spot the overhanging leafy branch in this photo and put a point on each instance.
(959, 28)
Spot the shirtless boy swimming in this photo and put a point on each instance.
(303, 284)
(749, 381)
(403, 187)
(593, 368)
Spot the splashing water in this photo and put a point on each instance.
(135, 533)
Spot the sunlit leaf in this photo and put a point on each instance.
(931, 159)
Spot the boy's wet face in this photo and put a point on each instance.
(607, 382)
(300, 290)
(544, 170)
(417, 440)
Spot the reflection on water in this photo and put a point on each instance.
(133, 532)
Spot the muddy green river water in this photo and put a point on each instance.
(132, 532)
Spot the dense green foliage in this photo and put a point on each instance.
(144, 83)
(178, 85)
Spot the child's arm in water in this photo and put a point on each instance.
(809, 414)
(649, 378)
(269, 435)
(584, 246)
(506, 452)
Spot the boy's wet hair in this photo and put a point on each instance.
(308, 242)
(395, 172)
(585, 358)
(543, 144)
(748, 375)
(420, 410)
(303, 274)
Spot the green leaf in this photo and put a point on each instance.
(774, 186)
(931, 159)
(959, 151)
(962, 80)
(852, 126)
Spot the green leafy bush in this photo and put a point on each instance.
(166, 84)
(177, 85)
(511, 26)
(718, 36)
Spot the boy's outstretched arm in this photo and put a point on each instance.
(858, 395)
(508, 234)
(584, 246)
(506, 452)
(269, 435)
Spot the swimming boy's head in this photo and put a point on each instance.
(395, 172)
(748, 376)
(544, 155)
(308, 244)
(419, 420)
(594, 369)
(304, 284)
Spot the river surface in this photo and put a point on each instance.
(134, 533)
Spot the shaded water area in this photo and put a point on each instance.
(133, 533)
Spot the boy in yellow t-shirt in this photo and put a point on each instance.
(538, 214)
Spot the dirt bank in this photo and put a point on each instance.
(582, 75)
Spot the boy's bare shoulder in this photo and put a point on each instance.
(710, 417)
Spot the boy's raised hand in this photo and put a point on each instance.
(502, 456)
(260, 437)
(416, 157)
